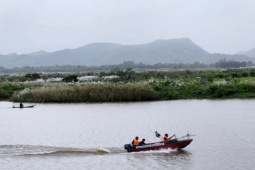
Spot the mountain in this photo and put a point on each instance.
(181, 50)
(38, 53)
(250, 53)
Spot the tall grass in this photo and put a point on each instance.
(87, 93)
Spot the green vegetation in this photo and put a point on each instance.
(7, 89)
(207, 91)
(70, 78)
(130, 85)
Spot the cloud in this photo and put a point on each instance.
(216, 25)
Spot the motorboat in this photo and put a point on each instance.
(177, 143)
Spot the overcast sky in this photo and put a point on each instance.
(223, 26)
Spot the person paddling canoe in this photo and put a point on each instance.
(21, 105)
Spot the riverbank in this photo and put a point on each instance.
(129, 85)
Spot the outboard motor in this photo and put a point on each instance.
(127, 146)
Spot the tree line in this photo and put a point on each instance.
(223, 63)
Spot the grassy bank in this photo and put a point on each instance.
(130, 85)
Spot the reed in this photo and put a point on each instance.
(87, 93)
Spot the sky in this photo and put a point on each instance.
(217, 26)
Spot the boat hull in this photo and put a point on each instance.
(172, 144)
(23, 107)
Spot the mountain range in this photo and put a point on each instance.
(250, 53)
(181, 50)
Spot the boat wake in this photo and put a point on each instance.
(37, 150)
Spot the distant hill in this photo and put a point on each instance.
(37, 53)
(160, 51)
(250, 53)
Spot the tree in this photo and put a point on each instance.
(70, 78)
(33, 76)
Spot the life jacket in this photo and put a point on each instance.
(135, 142)
(165, 138)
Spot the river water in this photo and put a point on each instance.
(91, 136)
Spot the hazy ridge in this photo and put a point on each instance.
(181, 50)
(250, 53)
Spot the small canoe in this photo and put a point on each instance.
(24, 106)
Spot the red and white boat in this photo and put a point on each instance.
(177, 143)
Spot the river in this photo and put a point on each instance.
(91, 136)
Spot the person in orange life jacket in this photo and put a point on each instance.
(135, 142)
(142, 142)
(166, 138)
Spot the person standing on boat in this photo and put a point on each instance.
(142, 142)
(21, 105)
(135, 142)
